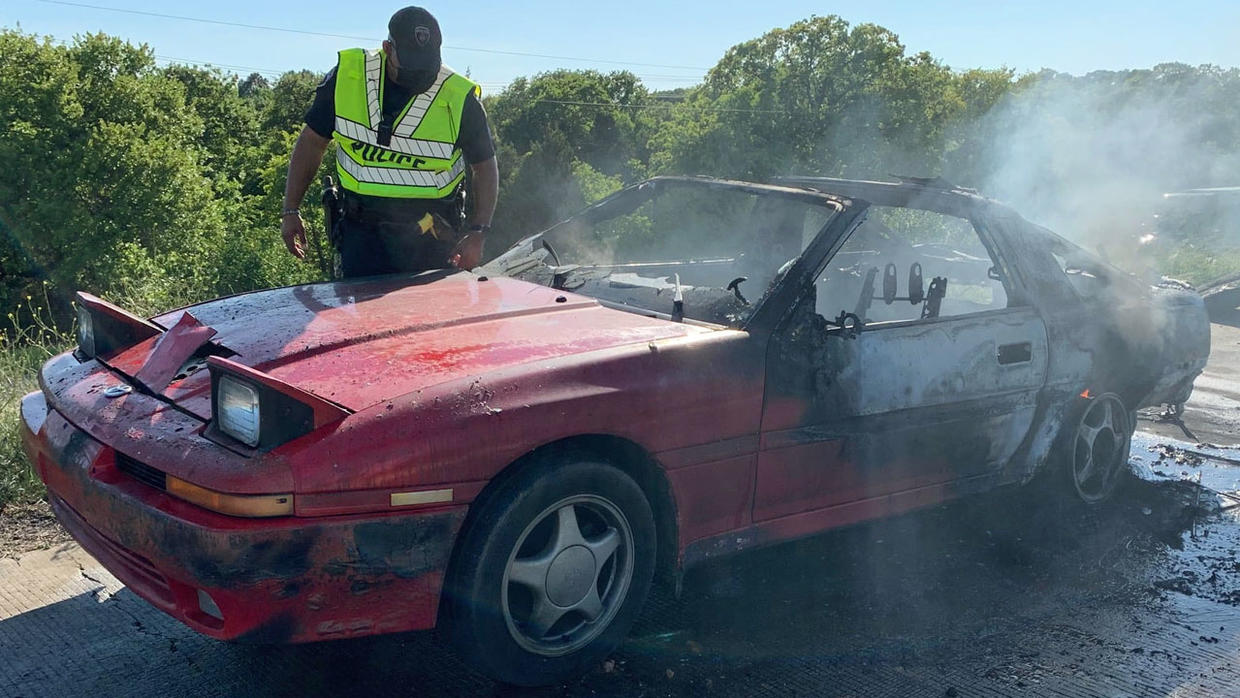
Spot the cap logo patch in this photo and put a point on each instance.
(421, 35)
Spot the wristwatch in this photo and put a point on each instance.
(484, 229)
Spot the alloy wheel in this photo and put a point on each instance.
(1100, 448)
(568, 575)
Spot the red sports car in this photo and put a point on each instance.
(688, 368)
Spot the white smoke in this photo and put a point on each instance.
(1090, 157)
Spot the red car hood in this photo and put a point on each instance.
(358, 343)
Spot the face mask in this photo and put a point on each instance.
(415, 80)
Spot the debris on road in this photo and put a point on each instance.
(1180, 456)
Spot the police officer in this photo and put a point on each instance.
(405, 127)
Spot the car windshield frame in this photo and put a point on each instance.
(531, 251)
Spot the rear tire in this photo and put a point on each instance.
(551, 572)
(1091, 457)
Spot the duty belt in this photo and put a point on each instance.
(399, 213)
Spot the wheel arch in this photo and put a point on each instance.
(621, 453)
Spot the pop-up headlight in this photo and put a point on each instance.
(85, 331)
(104, 328)
(254, 409)
(237, 408)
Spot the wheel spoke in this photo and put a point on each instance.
(1089, 434)
(544, 615)
(604, 547)
(567, 532)
(1083, 453)
(573, 574)
(591, 606)
(1107, 416)
(530, 573)
(1086, 472)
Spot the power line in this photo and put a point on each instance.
(273, 72)
(307, 32)
(212, 64)
(668, 105)
(171, 60)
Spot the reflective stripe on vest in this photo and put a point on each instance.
(421, 160)
(400, 177)
(408, 146)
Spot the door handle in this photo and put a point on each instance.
(1019, 353)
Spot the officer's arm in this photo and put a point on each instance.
(304, 163)
(485, 190)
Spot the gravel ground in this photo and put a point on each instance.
(24, 528)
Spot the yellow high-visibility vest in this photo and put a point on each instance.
(422, 160)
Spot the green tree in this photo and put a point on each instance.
(291, 96)
(819, 97)
(230, 126)
(102, 186)
(595, 113)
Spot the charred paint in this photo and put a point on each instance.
(245, 561)
(405, 549)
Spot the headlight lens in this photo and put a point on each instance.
(85, 331)
(237, 409)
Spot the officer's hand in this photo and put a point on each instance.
(294, 232)
(468, 252)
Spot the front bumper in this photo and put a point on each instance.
(266, 580)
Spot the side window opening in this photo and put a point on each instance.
(905, 265)
(1088, 275)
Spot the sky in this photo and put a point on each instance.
(667, 44)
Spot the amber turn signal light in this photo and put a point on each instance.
(252, 506)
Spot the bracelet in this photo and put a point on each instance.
(290, 211)
(484, 229)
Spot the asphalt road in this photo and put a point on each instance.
(998, 595)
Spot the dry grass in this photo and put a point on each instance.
(1199, 266)
(22, 350)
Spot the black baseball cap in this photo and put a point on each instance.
(415, 34)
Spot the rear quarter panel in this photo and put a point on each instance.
(1128, 338)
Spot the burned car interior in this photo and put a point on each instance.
(708, 251)
(904, 265)
(693, 250)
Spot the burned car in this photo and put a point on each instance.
(687, 369)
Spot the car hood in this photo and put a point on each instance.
(359, 343)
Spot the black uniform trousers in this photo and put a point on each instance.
(389, 241)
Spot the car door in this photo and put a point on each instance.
(914, 398)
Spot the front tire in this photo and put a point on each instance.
(551, 572)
